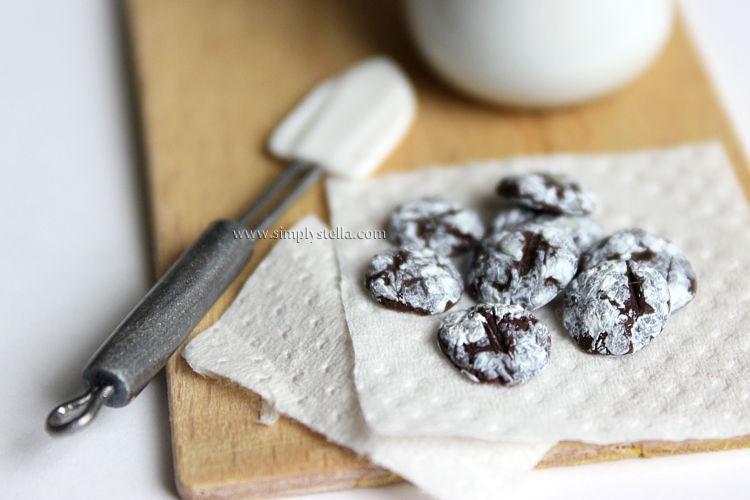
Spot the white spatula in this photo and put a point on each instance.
(346, 126)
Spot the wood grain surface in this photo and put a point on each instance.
(215, 77)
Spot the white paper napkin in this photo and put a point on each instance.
(285, 337)
(693, 381)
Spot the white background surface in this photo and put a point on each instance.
(74, 259)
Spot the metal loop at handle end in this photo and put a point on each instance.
(77, 413)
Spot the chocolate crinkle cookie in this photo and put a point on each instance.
(584, 230)
(528, 266)
(617, 307)
(511, 217)
(640, 246)
(436, 223)
(503, 344)
(414, 280)
(554, 193)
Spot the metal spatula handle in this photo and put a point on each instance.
(347, 123)
(160, 322)
(140, 346)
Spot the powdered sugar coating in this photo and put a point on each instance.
(442, 225)
(504, 344)
(511, 217)
(555, 193)
(584, 230)
(528, 266)
(414, 280)
(640, 246)
(617, 307)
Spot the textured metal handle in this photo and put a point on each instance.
(140, 346)
(155, 328)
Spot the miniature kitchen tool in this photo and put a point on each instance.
(347, 125)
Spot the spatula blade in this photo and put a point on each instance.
(350, 122)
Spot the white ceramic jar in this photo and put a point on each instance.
(540, 53)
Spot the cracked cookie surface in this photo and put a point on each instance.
(493, 343)
(584, 230)
(436, 223)
(554, 193)
(617, 307)
(529, 266)
(414, 280)
(640, 246)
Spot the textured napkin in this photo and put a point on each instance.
(693, 381)
(285, 337)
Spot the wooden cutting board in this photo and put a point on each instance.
(214, 78)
